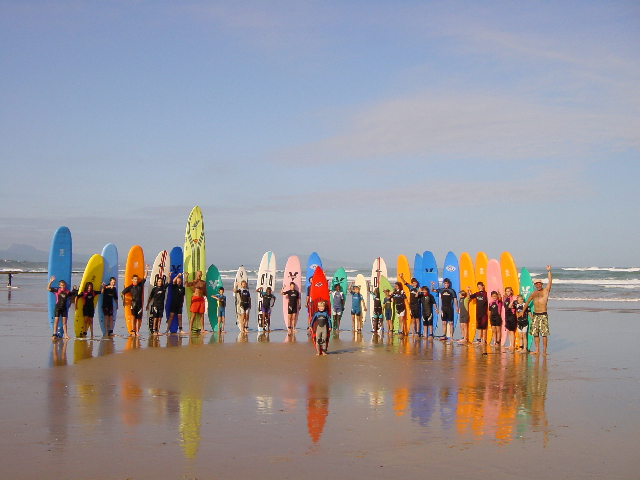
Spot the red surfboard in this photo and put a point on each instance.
(319, 291)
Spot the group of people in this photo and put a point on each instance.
(422, 304)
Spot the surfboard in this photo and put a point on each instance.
(175, 268)
(60, 267)
(451, 271)
(266, 278)
(110, 269)
(481, 276)
(378, 270)
(468, 280)
(318, 291)
(241, 276)
(312, 263)
(494, 284)
(292, 274)
(509, 279)
(418, 273)
(526, 289)
(160, 270)
(134, 266)
(404, 270)
(386, 285)
(362, 283)
(194, 254)
(92, 273)
(339, 278)
(430, 269)
(214, 282)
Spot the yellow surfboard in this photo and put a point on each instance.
(194, 254)
(510, 277)
(405, 270)
(468, 280)
(92, 273)
(134, 266)
(481, 276)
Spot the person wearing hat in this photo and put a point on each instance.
(540, 319)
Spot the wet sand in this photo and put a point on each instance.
(242, 407)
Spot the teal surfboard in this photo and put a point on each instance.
(214, 282)
(526, 289)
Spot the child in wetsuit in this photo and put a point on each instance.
(414, 303)
(177, 303)
(357, 307)
(245, 305)
(109, 304)
(320, 326)
(510, 320)
(399, 299)
(268, 301)
(293, 306)
(222, 305)
(463, 306)
(448, 298)
(337, 301)
(482, 311)
(495, 317)
(522, 319)
(388, 310)
(427, 301)
(155, 304)
(61, 309)
(376, 315)
(89, 308)
(136, 290)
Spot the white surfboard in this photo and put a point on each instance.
(379, 269)
(161, 269)
(241, 276)
(266, 278)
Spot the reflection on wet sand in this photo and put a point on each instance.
(317, 401)
(190, 417)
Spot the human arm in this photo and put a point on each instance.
(50, 282)
(548, 288)
(146, 271)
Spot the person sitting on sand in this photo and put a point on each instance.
(320, 327)
(61, 309)
(357, 307)
(540, 318)
(199, 288)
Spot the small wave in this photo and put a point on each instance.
(601, 269)
(603, 282)
(586, 299)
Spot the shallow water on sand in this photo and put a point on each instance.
(243, 406)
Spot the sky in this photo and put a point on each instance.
(355, 129)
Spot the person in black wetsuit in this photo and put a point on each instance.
(510, 320)
(89, 308)
(495, 317)
(109, 304)
(320, 327)
(155, 303)
(376, 313)
(448, 305)
(427, 302)
(293, 306)
(399, 299)
(136, 290)
(268, 301)
(61, 309)
(482, 311)
(177, 303)
(245, 305)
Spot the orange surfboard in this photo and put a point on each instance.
(468, 279)
(405, 270)
(481, 276)
(134, 266)
(509, 279)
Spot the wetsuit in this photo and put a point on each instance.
(376, 315)
(245, 299)
(428, 301)
(447, 296)
(109, 299)
(62, 301)
(222, 304)
(388, 308)
(320, 325)
(522, 316)
(156, 299)
(268, 300)
(482, 308)
(337, 299)
(356, 303)
(177, 299)
(511, 322)
(292, 301)
(89, 308)
(136, 298)
(399, 299)
(414, 300)
(495, 309)
(463, 304)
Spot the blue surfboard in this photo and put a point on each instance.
(452, 272)
(312, 263)
(59, 267)
(110, 259)
(175, 261)
(430, 274)
(419, 275)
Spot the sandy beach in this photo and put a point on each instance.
(258, 405)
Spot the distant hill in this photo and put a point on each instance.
(20, 252)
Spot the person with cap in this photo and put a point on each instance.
(448, 297)
(540, 319)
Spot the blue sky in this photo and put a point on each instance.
(355, 129)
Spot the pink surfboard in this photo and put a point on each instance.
(292, 273)
(494, 283)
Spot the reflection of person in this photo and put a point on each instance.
(540, 319)
(61, 309)
(293, 306)
(136, 289)
(320, 327)
(197, 303)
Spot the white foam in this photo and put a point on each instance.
(601, 269)
(584, 299)
(633, 283)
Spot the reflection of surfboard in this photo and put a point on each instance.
(430, 269)
(266, 279)
(319, 291)
(481, 276)
(509, 279)
(175, 267)
(404, 270)
(451, 271)
(92, 273)
(159, 271)
(194, 255)
(467, 280)
(386, 285)
(59, 267)
(134, 266)
(494, 283)
(291, 274)
(378, 270)
(214, 282)
(110, 257)
(339, 278)
(241, 276)
(526, 289)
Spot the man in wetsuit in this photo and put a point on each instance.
(199, 288)
(137, 302)
(482, 311)
(293, 306)
(540, 319)
(177, 302)
(448, 297)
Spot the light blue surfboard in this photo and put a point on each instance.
(60, 267)
(110, 269)
(419, 275)
(430, 274)
(452, 272)
(175, 262)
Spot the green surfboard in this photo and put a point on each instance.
(526, 289)
(340, 278)
(386, 285)
(214, 282)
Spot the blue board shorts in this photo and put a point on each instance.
(221, 312)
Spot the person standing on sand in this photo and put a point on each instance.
(197, 302)
(540, 318)
(482, 312)
(61, 309)
(137, 301)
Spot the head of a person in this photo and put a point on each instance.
(134, 279)
(179, 280)
(321, 306)
(356, 288)
(463, 294)
(199, 274)
(292, 286)
(221, 290)
(447, 283)
(88, 287)
(387, 292)
(62, 284)
(112, 281)
(481, 286)
(398, 286)
(243, 284)
(414, 282)
(538, 284)
(494, 295)
(268, 290)
(159, 282)
(520, 299)
(337, 287)
(424, 289)
(508, 291)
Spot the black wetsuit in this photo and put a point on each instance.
(245, 298)
(428, 301)
(136, 298)
(494, 313)
(89, 308)
(292, 298)
(109, 297)
(62, 301)
(399, 300)
(482, 309)
(511, 322)
(156, 299)
(414, 300)
(447, 296)
(177, 299)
